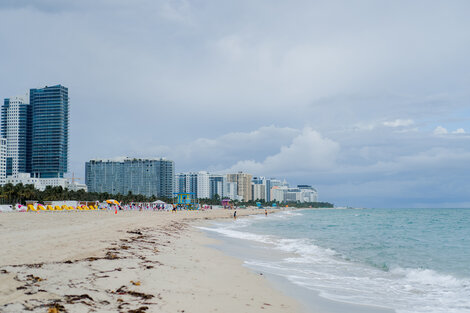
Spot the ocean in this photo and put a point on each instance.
(408, 260)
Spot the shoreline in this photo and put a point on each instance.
(126, 262)
(309, 299)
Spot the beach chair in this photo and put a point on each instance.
(41, 207)
(58, 208)
(91, 207)
(31, 208)
(64, 207)
(77, 208)
(50, 208)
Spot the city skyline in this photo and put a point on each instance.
(366, 101)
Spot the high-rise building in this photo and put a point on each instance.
(230, 191)
(308, 193)
(258, 191)
(217, 183)
(243, 181)
(3, 160)
(259, 188)
(16, 128)
(278, 193)
(50, 131)
(180, 183)
(195, 183)
(203, 185)
(149, 177)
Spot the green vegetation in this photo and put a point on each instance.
(12, 194)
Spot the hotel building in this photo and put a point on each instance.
(149, 177)
(243, 181)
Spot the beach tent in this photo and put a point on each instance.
(158, 202)
(6, 208)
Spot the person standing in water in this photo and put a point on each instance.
(235, 215)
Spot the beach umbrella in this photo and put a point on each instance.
(112, 201)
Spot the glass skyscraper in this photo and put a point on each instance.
(149, 177)
(50, 131)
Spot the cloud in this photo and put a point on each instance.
(308, 152)
(459, 131)
(440, 131)
(398, 123)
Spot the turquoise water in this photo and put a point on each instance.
(410, 260)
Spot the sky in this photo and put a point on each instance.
(368, 101)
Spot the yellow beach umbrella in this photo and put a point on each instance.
(112, 201)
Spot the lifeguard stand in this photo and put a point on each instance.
(186, 200)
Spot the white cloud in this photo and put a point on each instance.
(399, 123)
(440, 131)
(459, 131)
(443, 131)
(308, 152)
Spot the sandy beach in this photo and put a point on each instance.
(125, 262)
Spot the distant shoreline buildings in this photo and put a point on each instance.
(242, 187)
(156, 177)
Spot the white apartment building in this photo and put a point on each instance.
(259, 192)
(230, 191)
(302, 193)
(203, 185)
(42, 183)
(192, 182)
(15, 118)
(308, 193)
(3, 160)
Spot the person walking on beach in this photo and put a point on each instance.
(265, 212)
(235, 215)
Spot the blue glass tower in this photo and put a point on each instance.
(50, 131)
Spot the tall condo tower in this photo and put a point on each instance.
(243, 181)
(16, 129)
(50, 131)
